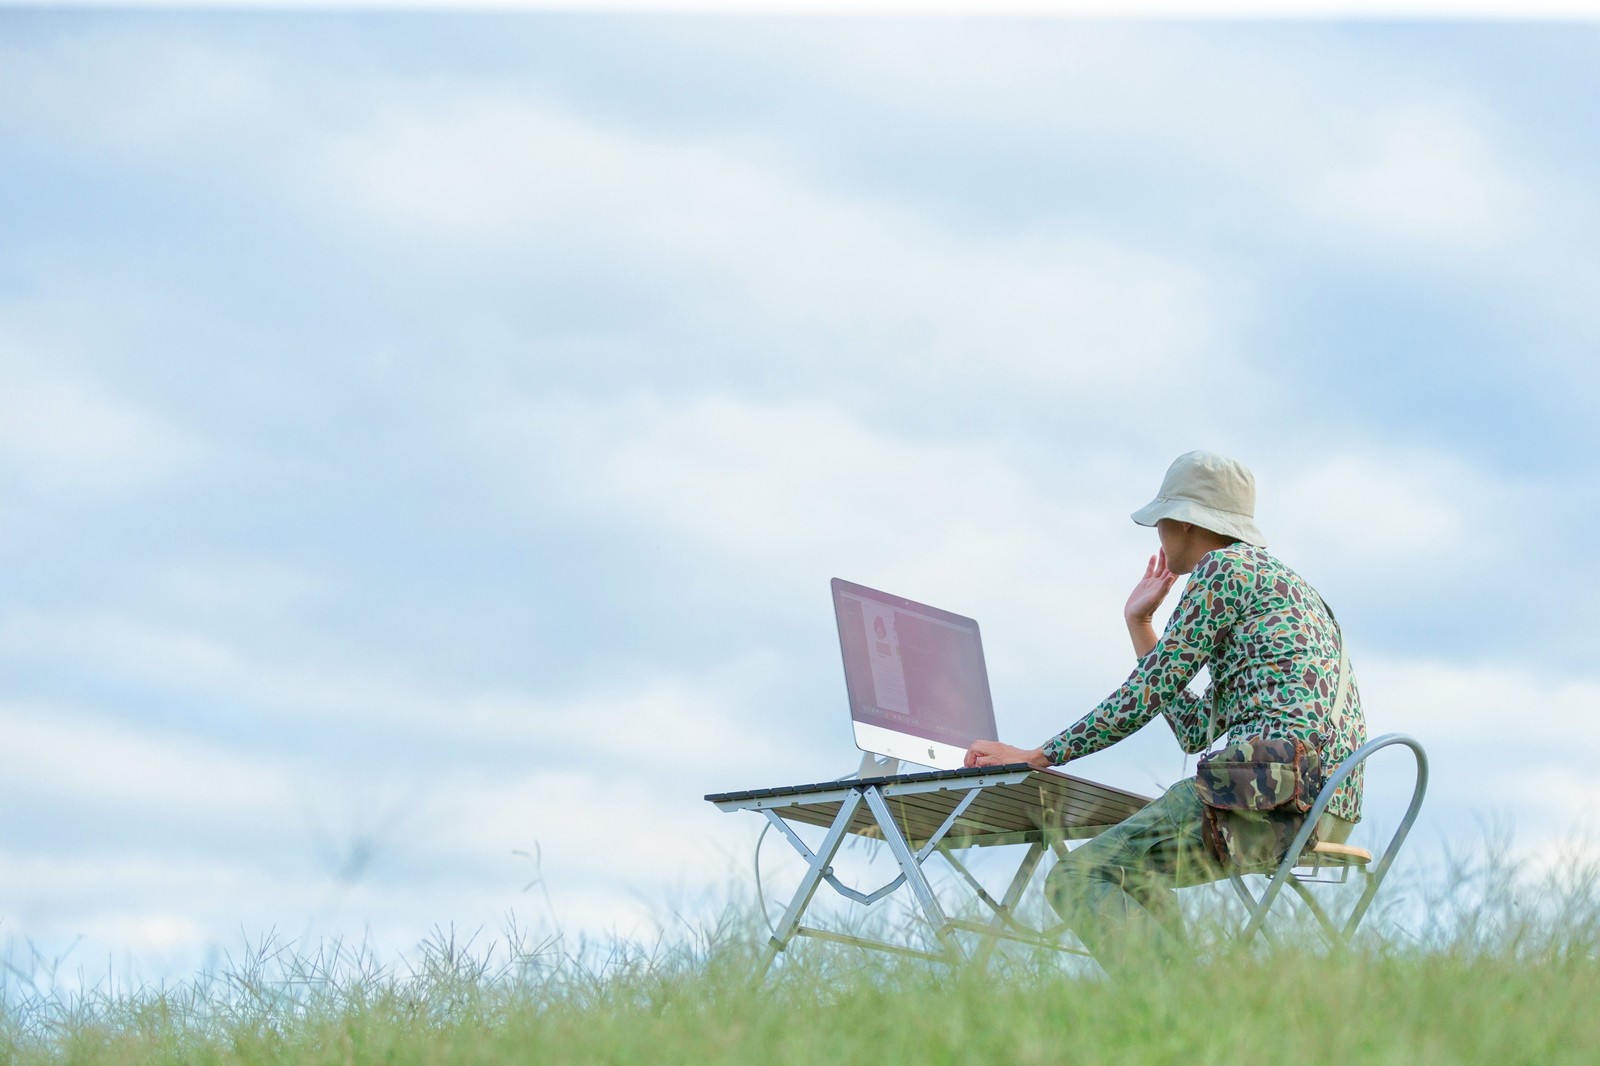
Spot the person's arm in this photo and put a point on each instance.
(1209, 605)
(1137, 613)
(994, 753)
(1191, 721)
(1146, 596)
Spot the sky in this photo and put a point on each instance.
(426, 439)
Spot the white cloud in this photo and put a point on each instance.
(145, 905)
(56, 755)
(801, 486)
(63, 436)
(630, 816)
(1506, 741)
(150, 93)
(1492, 704)
(1426, 172)
(158, 915)
(1359, 508)
(617, 824)
(744, 477)
(667, 728)
(68, 428)
(1330, 141)
(619, 817)
(820, 279)
(771, 499)
(666, 715)
(238, 585)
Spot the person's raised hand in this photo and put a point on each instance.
(994, 753)
(1151, 589)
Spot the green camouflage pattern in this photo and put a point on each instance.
(1272, 649)
(1117, 892)
(1252, 841)
(1256, 793)
(1261, 775)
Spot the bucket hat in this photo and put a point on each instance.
(1210, 491)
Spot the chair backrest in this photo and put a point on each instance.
(1375, 874)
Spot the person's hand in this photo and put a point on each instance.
(994, 753)
(1150, 591)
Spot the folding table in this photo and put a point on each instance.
(919, 814)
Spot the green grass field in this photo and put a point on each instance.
(1488, 971)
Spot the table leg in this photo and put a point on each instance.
(818, 868)
(1019, 884)
(901, 850)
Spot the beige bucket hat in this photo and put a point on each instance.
(1210, 491)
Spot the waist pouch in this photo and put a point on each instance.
(1256, 794)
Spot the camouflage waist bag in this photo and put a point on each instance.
(1256, 794)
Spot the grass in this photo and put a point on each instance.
(1493, 971)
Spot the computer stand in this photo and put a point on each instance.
(874, 766)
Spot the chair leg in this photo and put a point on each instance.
(1359, 911)
(1256, 907)
(1323, 920)
(1252, 906)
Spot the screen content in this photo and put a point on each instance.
(916, 671)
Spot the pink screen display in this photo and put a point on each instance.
(912, 668)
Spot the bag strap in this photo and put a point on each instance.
(1344, 679)
(1342, 688)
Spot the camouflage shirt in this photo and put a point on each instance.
(1273, 652)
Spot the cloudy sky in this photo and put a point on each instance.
(426, 440)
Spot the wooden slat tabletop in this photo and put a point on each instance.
(1041, 803)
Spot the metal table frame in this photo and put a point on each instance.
(922, 814)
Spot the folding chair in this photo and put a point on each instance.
(1301, 865)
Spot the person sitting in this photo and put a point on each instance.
(1273, 649)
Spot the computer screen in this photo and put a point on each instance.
(915, 677)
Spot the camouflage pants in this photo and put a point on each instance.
(1116, 891)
